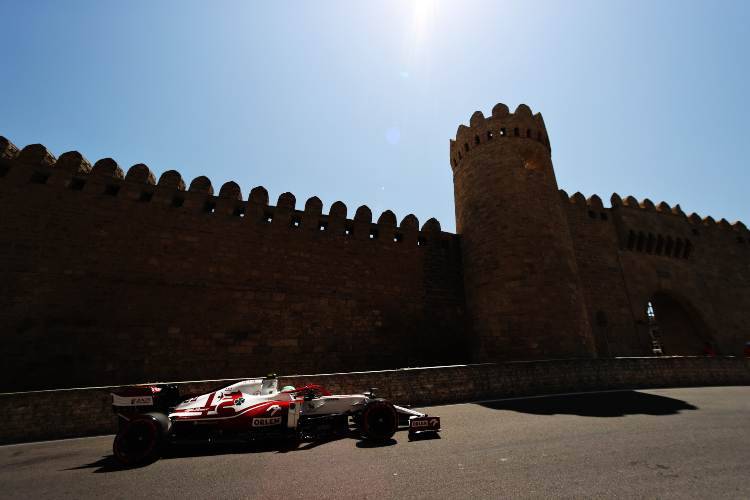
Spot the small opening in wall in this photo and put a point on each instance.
(592, 214)
(539, 136)
(466, 146)
(373, 234)
(239, 212)
(178, 201)
(603, 215)
(678, 248)
(296, 222)
(347, 232)
(641, 241)
(515, 132)
(489, 135)
(145, 196)
(631, 240)
(77, 184)
(39, 178)
(695, 232)
(659, 244)
(668, 246)
(459, 155)
(268, 217)
(111, 189)
(323, 226)
(476, 139)
(421, 241)
(209, 207)
(650, 243)
(502, 132)
(528, 132)
(3, 170)
(688, 249)
(455, 163)
(398, 237)
(740, 239)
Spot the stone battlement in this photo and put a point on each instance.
(35, 165)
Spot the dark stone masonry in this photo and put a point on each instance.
(109, 277)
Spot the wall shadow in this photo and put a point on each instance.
(603, 404)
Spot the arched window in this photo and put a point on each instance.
(631, 240)
(678, 248)
(650, 243)
(668, 247)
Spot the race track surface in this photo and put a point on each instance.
(672, 443)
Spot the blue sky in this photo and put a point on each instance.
(356, 101)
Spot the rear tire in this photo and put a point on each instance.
(138, 442)
(379, 420)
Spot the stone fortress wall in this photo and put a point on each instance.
(111, 278)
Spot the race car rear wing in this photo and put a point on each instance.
(143, 398)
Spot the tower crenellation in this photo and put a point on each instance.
(502, 125)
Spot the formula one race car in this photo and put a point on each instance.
(152, 416)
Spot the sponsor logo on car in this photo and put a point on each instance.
(424, 422)
(266, 421)
(142, 401)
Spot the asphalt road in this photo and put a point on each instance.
(675, 443)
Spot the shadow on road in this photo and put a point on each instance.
(603, 404)
(110, 464)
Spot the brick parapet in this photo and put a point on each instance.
(56, 414)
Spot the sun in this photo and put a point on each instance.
(423, 19)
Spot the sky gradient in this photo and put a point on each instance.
(357, 101)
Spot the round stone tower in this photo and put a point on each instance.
(523, 293)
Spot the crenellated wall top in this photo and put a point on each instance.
(34, 164)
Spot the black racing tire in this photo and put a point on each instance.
(378, 420)
(138, 442)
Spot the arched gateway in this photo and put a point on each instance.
(676, 328)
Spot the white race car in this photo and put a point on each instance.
(152, 417)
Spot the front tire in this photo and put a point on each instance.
(379, 420)
(138, 442)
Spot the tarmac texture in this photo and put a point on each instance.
(667, 443)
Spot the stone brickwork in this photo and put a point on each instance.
(86, 412)
(109, 277)
(112, 278)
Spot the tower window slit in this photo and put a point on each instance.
(641, 241)
(668, 246)
(659, 244)
(678, 247)
(688, 249)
